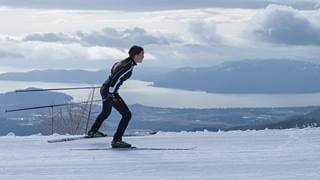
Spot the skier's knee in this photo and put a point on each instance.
(127, 115)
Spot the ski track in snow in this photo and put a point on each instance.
(292, 154)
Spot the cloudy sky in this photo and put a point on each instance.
(82, 34)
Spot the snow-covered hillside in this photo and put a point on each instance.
(268, 154)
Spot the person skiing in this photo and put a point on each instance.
(120, 72)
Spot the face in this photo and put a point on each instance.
(138, 58)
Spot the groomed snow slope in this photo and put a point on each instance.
(245, 155)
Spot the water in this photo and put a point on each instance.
(140, 92)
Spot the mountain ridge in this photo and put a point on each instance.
(247, 76)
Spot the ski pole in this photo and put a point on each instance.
(55, 89)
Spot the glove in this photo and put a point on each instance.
(112, 97)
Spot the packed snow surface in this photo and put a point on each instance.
(269, 154)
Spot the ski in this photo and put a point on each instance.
(135, 149)
(72, 139)
(88, 137)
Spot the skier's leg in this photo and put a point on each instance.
(106, 110)
(121, 106)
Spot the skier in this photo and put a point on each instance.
(120, 72)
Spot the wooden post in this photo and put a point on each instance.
(90, 110)
(51, 119)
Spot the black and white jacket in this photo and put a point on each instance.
(120, 72)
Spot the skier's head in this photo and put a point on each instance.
(136, 53)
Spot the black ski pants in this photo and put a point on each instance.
(120, 106)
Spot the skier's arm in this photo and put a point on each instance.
(117, 77)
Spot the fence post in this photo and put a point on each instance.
(51, 119)
(90, 110)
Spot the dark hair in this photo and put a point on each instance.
(135, 50)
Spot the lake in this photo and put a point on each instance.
(140, 92)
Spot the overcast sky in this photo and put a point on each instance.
(82, 34)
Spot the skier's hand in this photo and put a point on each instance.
(112, 97)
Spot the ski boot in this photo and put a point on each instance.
(118, 143)
(93, 134)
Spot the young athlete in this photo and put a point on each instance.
(120, 72)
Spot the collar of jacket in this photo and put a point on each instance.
(133, 62)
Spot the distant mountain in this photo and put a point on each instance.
(13, 100)
(21, 128)
(263, 76)
(293, 122)
(151, 74)
(66, 76)
(144, 117)
(82, 76)
(254, 76)
(189, 119)
(41, 97)
(311, 119)
(27, 122)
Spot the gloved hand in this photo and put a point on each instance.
(112, 97)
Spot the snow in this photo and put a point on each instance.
(245, 155)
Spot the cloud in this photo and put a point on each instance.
(5, 54)
(21, 54)
(108, 37)
(25, 54)
(199, 37)
(147, 5)
(284, 25)
(113, 37)
(50, 37)
(44, 55)
(204, 32)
